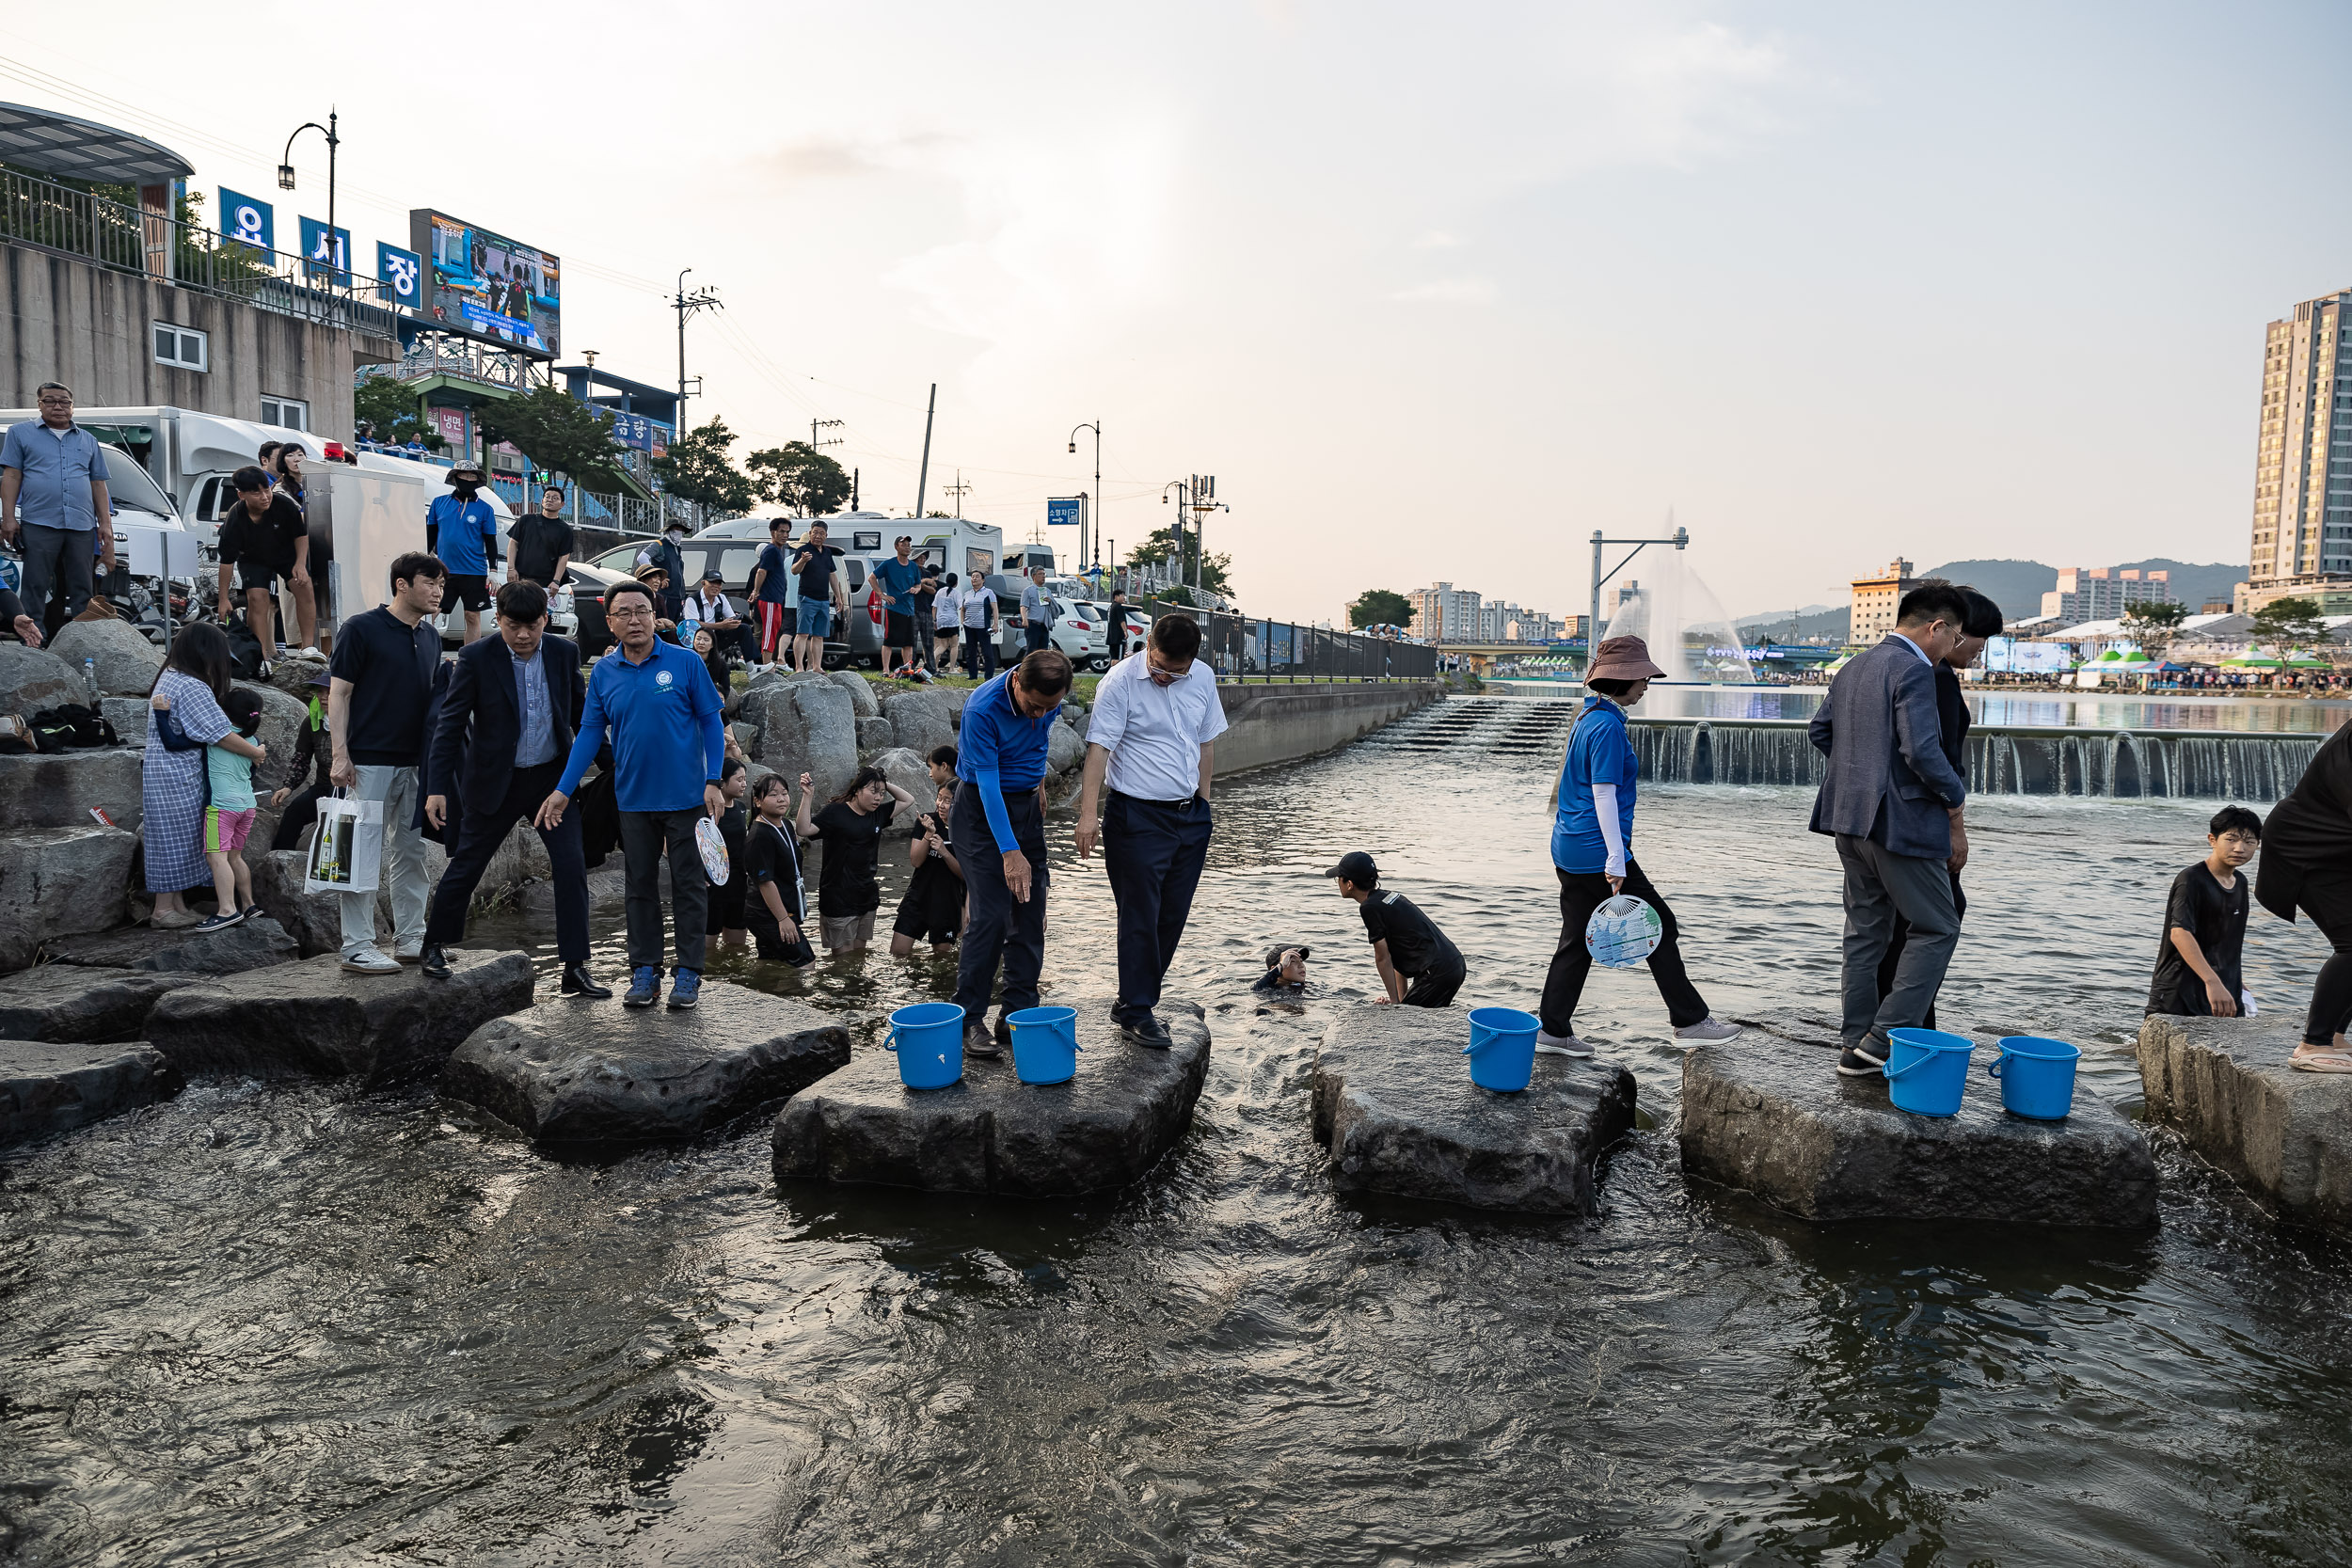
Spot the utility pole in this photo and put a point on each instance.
(923, 475)
(817, 443)
(686, 305)
(958, 489)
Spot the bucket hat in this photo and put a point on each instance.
(1622, 659)
(473, 469)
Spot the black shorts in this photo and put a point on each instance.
(768, 936)
(470, 592)
(899, 631)
(267, 576)
(937, 918)
(724, 906)
(1435, 989)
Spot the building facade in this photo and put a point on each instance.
(2103, 593)
(2302, 533)
(1445, 613)
(1876, 599)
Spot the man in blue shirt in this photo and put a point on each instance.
(464, 534)
(668, 746)
(52, 494)
(899, 577)
(998, 828)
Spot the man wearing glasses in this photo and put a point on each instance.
(53, 493)
(1152, 734)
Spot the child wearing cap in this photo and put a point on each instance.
(1285, 971)
(1418, 967)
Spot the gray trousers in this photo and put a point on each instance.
(645, 837)
(402, 870)
(1880, 885)
(59, 561)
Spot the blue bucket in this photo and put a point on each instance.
(1045, 1044)
(1501, 1047)
(1926, 1070)
(2037, 1077)
(928, 1038)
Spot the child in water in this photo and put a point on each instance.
(932, 908)
(1285, 973)
(776, 904)
(2197, 974)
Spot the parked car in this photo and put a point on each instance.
(1081, 632)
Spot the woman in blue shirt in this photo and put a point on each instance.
(1592, 851)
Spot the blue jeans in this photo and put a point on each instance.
(1153, 851)
(1000, 928)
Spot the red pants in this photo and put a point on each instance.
(770, 628)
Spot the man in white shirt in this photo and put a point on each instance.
(720, 619)
(1153, 736)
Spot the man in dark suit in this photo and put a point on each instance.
(1890, 797)
(498, 746)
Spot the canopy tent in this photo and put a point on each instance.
(2252, 658)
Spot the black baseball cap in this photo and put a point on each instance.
(1357, 867)
(1274, 956)
(714, 575)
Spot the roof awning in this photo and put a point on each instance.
(47, 142)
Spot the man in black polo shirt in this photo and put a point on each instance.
(381, 683)
(543, 542)
(1407, 945)
(264, 539)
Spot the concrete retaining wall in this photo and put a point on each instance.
(1282, 723)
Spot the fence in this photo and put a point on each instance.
(620, 515)
(133, 240)
(1244, 647)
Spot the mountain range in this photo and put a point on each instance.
(2016, 586)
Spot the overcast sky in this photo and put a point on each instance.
(1433, 291)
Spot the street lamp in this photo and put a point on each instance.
(1679, 539)
(286, 179)
(1097, 501)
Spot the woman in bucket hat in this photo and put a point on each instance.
(1592, 851)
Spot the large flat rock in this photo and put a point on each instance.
(2225, 1084)
(1394, 1102)
(993, 1134)
(313, 1017)
(58, 789)
(595, 1072)
(255, 944)
(71, 1002)
(1773, 1119)
(49, 1088)
(60, 881)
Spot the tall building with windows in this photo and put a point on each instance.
(2302, 541)
(1875, 599)
(2104, 592)
(1445, 613)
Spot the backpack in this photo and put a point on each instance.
(71, 726)
(245, 650)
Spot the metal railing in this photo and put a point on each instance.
(1243, 647)
(132, 239)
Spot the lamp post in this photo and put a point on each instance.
(286, 181)
(1097, 497)
(1679, 539)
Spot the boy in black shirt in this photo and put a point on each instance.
(1405, 943)
(264, 536)
(2198, 971)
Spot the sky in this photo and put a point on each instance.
(1434, 291)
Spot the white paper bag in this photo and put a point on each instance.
(347, 847)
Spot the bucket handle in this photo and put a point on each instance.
(1920, 1061)
(890, 1039)
(1992, 1068)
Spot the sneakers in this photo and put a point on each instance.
(1706, 1031)
(410, 952)
(685, 988)
(1854, 1063)
(254, 911)
(221, 922)
(1561, 1045)
(1146, 1031)
(309, 654)
(368, 960)
(645, 980)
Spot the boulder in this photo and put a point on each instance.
(315, 1017)
(292, 676)
(1064, 750)
(874, 735)
(953, 698)
(128, 715)
(920, 720)
(1773, 1119)
(127, 661)
(808, 726)
(313, 920)
(57, 789)
(912, 774)
(282, 717)
(608, 893)
(578, 1073)
(992, 1134)
(68, 1002)
(60, 881)
(1394, 1104)
(258, 942)
(860, 690)
(35, 678)
(47, 1087)
(2225, 1084)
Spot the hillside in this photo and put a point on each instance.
(1812, 621)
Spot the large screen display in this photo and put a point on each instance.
(487, 286)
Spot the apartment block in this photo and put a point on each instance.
(2104, 592)
(2302, 534)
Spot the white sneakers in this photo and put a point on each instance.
(1706, 1031)
(369, 960)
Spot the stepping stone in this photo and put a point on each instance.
(992, 1133)
(57, 881)
(1394, 1103)
(2285, 1136)
(257, 942)
(70, 1002)
(1774, 1120)
(595, 1072)
(49, 1088)
(316, 1018)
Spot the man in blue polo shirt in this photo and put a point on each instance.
(52, 496)
(668, 744)
(899, 577)
(465, 530)
(998, 828)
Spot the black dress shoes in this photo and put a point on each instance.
(978, 1042)
(579, 982)
(435, 962)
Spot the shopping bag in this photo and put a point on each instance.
(347, 847)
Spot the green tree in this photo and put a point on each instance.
(696, 469)
(557, 431)
(2155, 626)
(387, 406)
(1160, 543)
(1379, 607)
(2291, 623)
(797, 475)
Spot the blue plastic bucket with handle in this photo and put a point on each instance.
(1926, 1070)
(928, 1038)
(1501, 1049)
(2037, 1077)
(1045, 1044)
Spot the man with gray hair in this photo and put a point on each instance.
(53, 497)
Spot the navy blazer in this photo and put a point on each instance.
(1879, 729)
(478, 726)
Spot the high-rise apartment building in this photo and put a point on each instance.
(2303, 456)
(1445, 613)
(2104, 592)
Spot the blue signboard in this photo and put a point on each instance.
(245, 221)
(317, 261)
(1064, 511)
(403, 272)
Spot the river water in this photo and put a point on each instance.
(2092, 710)
(296, 1323)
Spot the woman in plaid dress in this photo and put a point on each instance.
(172, 788)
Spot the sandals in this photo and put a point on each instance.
(2321, 1061)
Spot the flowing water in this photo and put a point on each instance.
(296, 1323)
